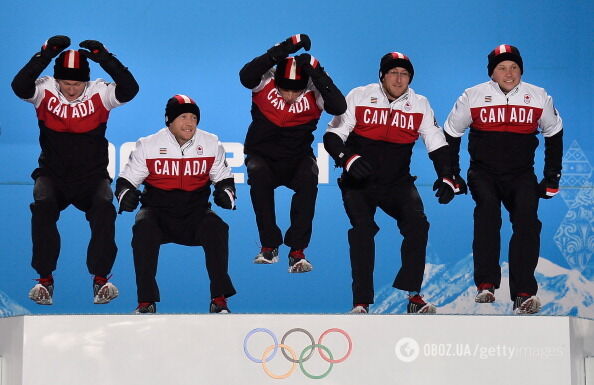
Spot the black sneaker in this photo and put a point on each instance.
(219, 305)
(146, 308)
(44, 290)
(416, 304)
(267, 255)
(485, 293)
(360, 308)
(298, 263)
(103, 291)
(526, 304)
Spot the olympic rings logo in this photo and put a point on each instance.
(290, 354)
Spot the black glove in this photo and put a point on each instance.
(96, 51)
(54, 45)
(307, 62)
(128, 196)
(129, 200)
(357, 167)
(224, 194)
(548, 187)
(460, 185)
(289, 46)
(446, 189)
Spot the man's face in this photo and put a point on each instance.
(183, 127)
(289, 96)
(396, 81)
(507, 75)
(71, 89)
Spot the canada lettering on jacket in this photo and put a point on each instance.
(381, 117)
(500, 114)
(65, 111)
(172, 167)
(279, 103)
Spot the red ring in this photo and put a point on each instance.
(348, 353)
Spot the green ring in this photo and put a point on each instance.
(307, 374)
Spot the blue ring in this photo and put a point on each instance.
(254, 331)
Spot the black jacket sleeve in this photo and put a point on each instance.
(23, 83)
(553, 156)
(251, 73)
(334, 101)
(454, 146)
(126, 85)
(441, 162)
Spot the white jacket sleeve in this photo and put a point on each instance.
(136, 170)
(430, 131)
(459, 118)
(107, 92)
(550, 121)
(220, 170)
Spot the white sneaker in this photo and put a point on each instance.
(485, 294)
(299, 265)
(526, 304)
(266, 256)
(360, 309)
(416, 304)
(104, 292)
(41, 294)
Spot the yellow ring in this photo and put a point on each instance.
(281, 376)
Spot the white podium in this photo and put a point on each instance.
(295, 349)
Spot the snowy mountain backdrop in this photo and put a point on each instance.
(452, 290)
(10, 308)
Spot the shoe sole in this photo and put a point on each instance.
(485, 298)
(42, 301)
(427, 309)
(358, 310)
(264, 261)
(302, 266)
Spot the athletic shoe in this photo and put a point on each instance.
(146, 308)
(485, 293)
(416, 304)
(219, 305)
(103, 291)
(360, 308)
(42, 292)
(298, 263)
(526, 304)
(267, 255)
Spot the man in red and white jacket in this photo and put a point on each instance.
(72, 113)
(289, 95)
(373, 141)
(177, 165)
(504, 115)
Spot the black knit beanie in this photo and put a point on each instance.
(71, 65)
(501, 53)
(396, 59)
(179, 104)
